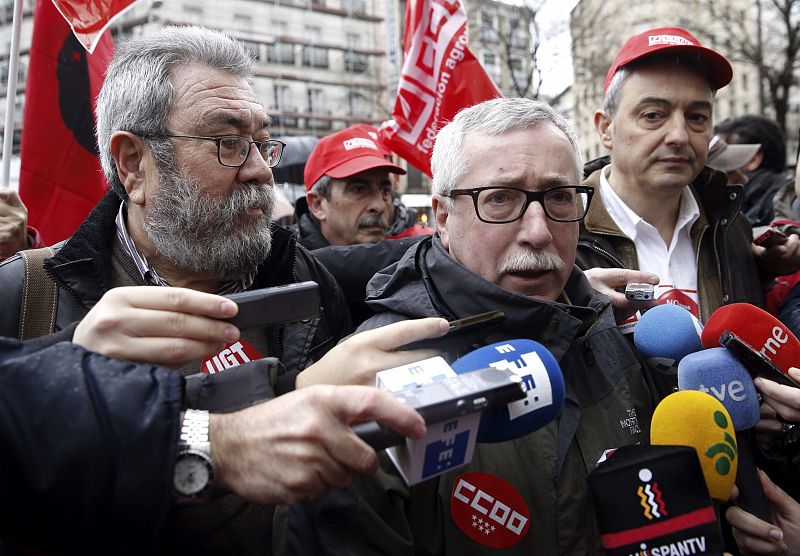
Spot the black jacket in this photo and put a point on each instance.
(82, 269)
(88, 449)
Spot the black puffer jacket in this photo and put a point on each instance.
(88, 449)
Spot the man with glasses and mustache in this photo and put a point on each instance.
(185, 146)
(507, 205)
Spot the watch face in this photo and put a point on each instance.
(192, 474)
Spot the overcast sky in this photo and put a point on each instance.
(555, 53)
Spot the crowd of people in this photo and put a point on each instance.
(108, 441)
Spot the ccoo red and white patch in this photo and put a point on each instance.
(489, 510)
(232, 355)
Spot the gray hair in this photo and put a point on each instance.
(322, 187)
(614, 92)
(492, 117)
(137, 94)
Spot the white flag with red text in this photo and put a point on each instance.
(440, 77)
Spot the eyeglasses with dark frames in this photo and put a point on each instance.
(233, 150)
(501, 205)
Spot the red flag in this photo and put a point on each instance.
(440, 77)
(89, 18)
(60, 175)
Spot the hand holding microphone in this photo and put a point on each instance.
(755, 536)
(718, 372)
(356, 359)
(451, 436)
(785, 400)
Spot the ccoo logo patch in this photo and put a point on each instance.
(489, 510)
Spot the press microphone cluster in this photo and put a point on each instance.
(660, 499)
(463, 417)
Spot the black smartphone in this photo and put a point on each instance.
(278, 305)
(448, 399)
(756, 363)
(462, 329)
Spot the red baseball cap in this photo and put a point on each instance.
(346, 153)
(672, 39)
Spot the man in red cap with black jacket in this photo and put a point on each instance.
(350, 192)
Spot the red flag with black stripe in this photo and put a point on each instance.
(60, 175)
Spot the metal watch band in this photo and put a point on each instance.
(194, 430)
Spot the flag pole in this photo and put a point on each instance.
(11, 92)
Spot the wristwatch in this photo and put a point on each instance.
(194, 470)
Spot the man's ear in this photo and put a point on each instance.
(439, 207)
(603, 124)
(755, 162)
(316, 206)
(128, 152)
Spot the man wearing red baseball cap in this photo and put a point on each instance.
(349, 193)
(658, 210)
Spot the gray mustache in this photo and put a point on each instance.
(532, 261)
(372, 221)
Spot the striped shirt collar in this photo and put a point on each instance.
(149, 274)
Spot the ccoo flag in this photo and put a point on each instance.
(440, 77)
(60, 175)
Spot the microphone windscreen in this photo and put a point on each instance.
(541, 377)
(758, 329)
(665, 334)
(698, 420)
(717, 372)
(654, 496)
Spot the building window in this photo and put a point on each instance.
(355, 62)
(490, 62)
(487, 28)
(281, 95)
(280, 53)
(355, 6)
(193, 14)
(316, 103)
(315, 57)
(357, 105)
(242, 21)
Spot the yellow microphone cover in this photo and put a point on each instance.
(700, 421)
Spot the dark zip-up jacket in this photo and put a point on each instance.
(88, 449)
(82, 269)
(726, 268)
(608, 405)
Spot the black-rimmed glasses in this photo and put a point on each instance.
(501, 205)
(233, 150)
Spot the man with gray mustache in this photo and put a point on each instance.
(185, 145)
(349, 192)
(507, 201)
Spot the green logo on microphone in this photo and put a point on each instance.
(725, 450)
